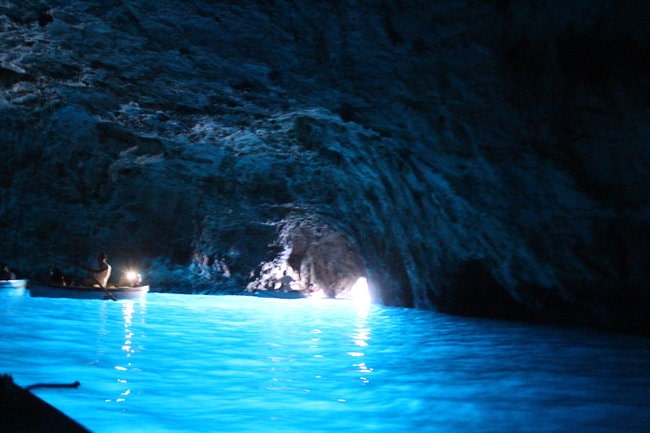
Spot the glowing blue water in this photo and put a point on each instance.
(188, 363)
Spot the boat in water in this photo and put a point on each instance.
(13, 284)
(22, 411)
(290, 294)
(15, 287)
(44, 290)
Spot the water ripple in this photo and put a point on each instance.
(180, 363)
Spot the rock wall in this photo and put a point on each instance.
(480, 157)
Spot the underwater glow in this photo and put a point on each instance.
(191, 363)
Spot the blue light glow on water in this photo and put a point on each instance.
(190, 363)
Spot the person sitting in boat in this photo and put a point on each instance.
(285, 283)
(5, 273)
(56, 277)
(100, 274)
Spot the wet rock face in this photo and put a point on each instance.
(488, 159)
(315, 256)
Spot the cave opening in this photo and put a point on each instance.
(315, 259)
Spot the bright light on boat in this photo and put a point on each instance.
(133, 278)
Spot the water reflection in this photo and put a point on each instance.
(128, 311)
(361, 337)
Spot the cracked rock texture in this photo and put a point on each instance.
(480, 157)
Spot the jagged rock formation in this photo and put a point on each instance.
(484, 157)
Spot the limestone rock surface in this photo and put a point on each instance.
(480, 157)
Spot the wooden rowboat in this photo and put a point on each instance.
(13, 284)
(44, 290)
(22, 411)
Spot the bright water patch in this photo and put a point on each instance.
(190, 363)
